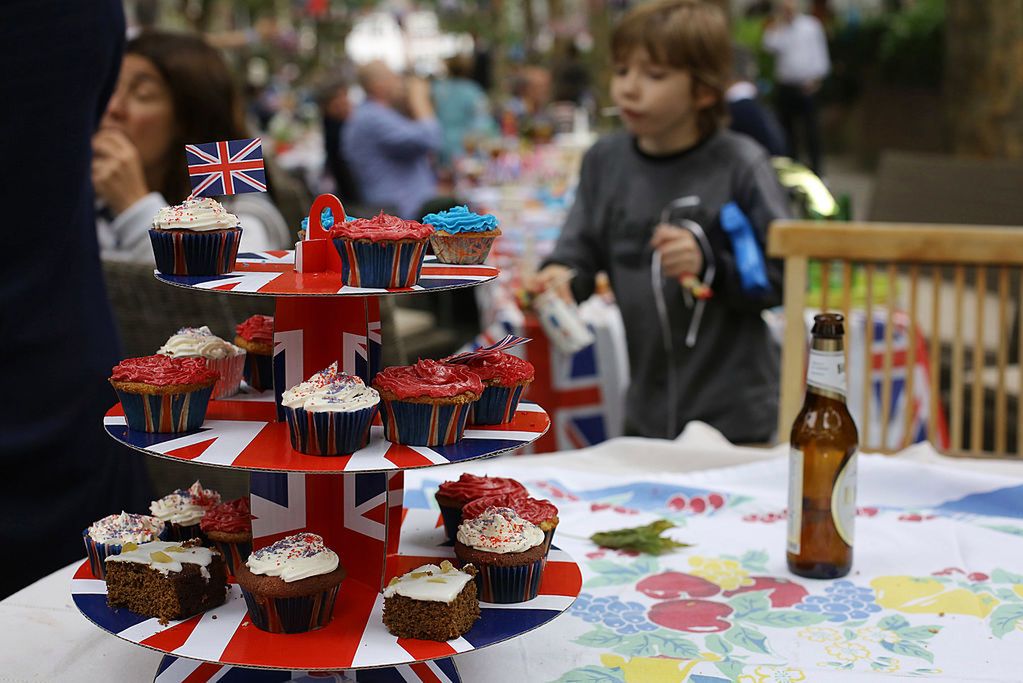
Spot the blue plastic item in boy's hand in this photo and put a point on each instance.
(749, 259)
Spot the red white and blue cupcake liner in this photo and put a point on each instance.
(99, 552)
(380, 264)
(505, 585)
(186, 252)
(234, 554)
(165, 413)
(424, 424)
(452, 518)
(259, 371)
(291, 615)
(231, 369)
(463, 250)
(497, 405)
(181, 533)
(330, 432)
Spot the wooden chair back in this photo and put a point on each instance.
(942, 274)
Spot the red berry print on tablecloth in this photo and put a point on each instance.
(691, 616)
(783, 593)
(669, 585)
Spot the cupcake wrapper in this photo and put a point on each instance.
(234, 554)
(380, 264)
(165, 413)
(179, 533)
(291, 615)
(503, 585)
(259, 371)
(423, 424)
(329, 433)
(181, 252)
(231, 370)
(461, 250)
(496, 406)
(452, 518)
(99, 552)
(548, 541)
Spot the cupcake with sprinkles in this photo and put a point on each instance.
(291, 586)
(256, 337)
(197, 237)
(381, 252)
(508, 553)
(182, 511)
(330, 413)
(163, 394)
(461, 236)
(228, 526)
(107, 536)
(426, 404)
(453, 496)
(219, 355)
(504, 377)
(540, 512)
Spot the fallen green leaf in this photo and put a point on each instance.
(644, 539)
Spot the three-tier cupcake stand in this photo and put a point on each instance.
(353, 501)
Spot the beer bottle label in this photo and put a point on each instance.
(793, 541)
(843, 501)
(825, 373)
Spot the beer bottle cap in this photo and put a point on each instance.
(828, 326)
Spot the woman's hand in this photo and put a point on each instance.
(680, 254)
(117, 171)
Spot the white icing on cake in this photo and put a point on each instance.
(430, 582)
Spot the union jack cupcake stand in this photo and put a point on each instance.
(353, 501)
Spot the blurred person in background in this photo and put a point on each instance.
(571, 77)
(390, 152)
(747, 115)
(801, 62)
(61, 471)
(173, 90)
(527, 109)
(336, 108)
(462, 108)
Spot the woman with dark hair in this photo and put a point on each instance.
(173, 90)
(462, 108)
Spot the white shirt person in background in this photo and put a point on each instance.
(801, 62)
(173, 89)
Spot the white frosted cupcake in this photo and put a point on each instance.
(108, 536)
(330, 413)
(219, 354)
(195, 237)
(183, 509)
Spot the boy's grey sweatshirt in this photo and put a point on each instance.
(729, 379)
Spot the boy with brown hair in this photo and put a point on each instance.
(675, 164)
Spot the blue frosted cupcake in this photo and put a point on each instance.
(462, 237)
(381, 252)
(109, 535)
(196, 237)
(508, 552)
(426, 404)
(163, 394)
(291, 586)
(330, 413)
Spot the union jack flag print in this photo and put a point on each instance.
(178, 670)
(226, 167)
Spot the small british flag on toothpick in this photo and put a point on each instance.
(227, 167)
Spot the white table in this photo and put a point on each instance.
(44, 638)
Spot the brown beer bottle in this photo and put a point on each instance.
(822, 463)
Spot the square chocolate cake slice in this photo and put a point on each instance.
(166, 580)
(431, 602)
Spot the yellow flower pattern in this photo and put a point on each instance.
(847, 651)
(820, 634)
(773, 674)
(728, 574)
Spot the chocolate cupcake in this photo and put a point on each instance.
(426, 404)
(504, 377)
(163, 394)
(330, 413)
(228, 527)
(196, 237)
(107, 537)
(221, 356)
(542, 513)
(256, 336)
(291, 586)
(183, 509)
(452, 496)
(381, 252)
(508, 553)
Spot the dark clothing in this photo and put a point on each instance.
(57, 334)
(729, 379)
(798, 113)
(345, 186)
(749, 117)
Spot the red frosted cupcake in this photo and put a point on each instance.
(504, 377)
(382, 252)
(426, 404)
(540, 512)
(228, 527)
(164, 394)
(256, 337)
(452, 496)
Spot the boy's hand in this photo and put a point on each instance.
(556, 278)
(680, 254)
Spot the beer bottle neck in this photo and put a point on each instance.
(825, 373)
